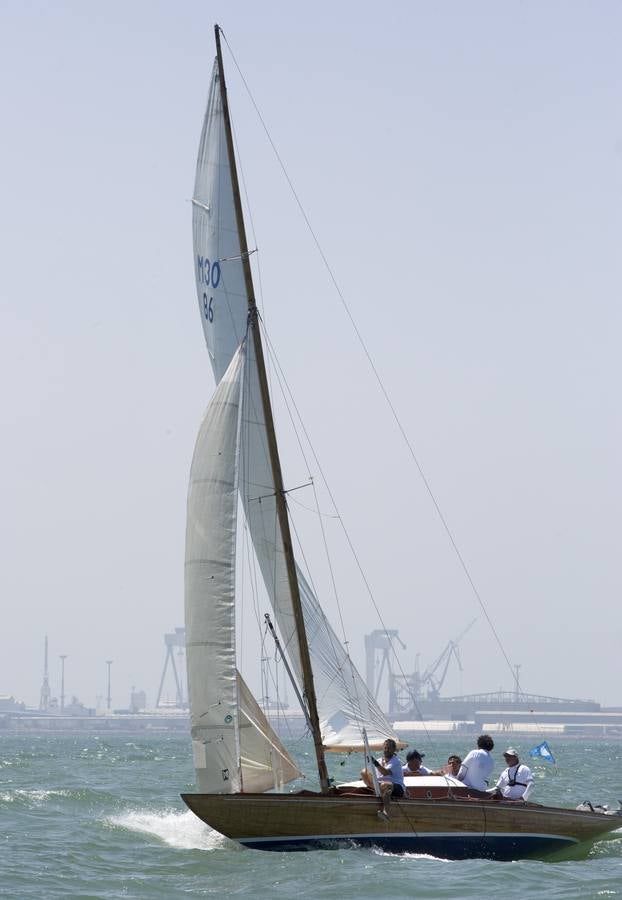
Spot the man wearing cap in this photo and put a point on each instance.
(516, 782)
(413, 764)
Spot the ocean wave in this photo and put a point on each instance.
(36, 797)
(182, 830)
(32, 797)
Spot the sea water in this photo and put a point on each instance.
(102, 817)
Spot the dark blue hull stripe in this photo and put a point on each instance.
(450, 845)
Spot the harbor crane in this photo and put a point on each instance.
(378, 652)
(175, 640)
(434, 676)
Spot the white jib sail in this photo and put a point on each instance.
(233, 747)
(344, 702)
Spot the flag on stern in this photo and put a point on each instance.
(543, 751)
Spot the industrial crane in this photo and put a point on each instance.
(431, 679)
(381, 642)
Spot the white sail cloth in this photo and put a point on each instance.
(345, 705)
(344, 702)
(234, 747)
(221, 292)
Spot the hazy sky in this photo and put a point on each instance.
(461, 164)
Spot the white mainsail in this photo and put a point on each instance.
(234, 747)
(223, 303)
(344, 703)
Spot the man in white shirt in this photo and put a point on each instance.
(452, 768)
(516, 782)
(413, 764)
(477, 765)
(390, 777)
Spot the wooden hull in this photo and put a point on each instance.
(448, 828)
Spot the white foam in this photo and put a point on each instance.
(409, 855)
(182, 830)
(36, 797)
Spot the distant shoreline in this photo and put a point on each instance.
(293, 726)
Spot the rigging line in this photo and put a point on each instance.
(278, 371)
(242, 490)
(252, 576)
(271, 588)
(270, 675)
(242, 584)
(336, 593)
(298, 487)
(288, 491)
(253, 583)
(314, 511)
(247, 402)
(358, 706)
(278, 374)
(331, 570)
(282, 380)
(374, 369)
(339, 675)
(311, 583)
(249, 213)
(355, 701)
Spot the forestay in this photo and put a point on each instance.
(234, 747)
(344, 703)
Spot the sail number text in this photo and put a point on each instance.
(208, 274)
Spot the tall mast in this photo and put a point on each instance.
(281, 505)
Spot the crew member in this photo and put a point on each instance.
(452, 768)
(477, 765)
(390, 777)
(516, 782)
(413, 764)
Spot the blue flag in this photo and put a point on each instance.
(543, 751)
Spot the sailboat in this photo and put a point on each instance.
(241, 764)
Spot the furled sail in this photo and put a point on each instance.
(345, 705)
(234, 747)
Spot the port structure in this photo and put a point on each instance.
(173, 641)
(379, 653)
(45, 695)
